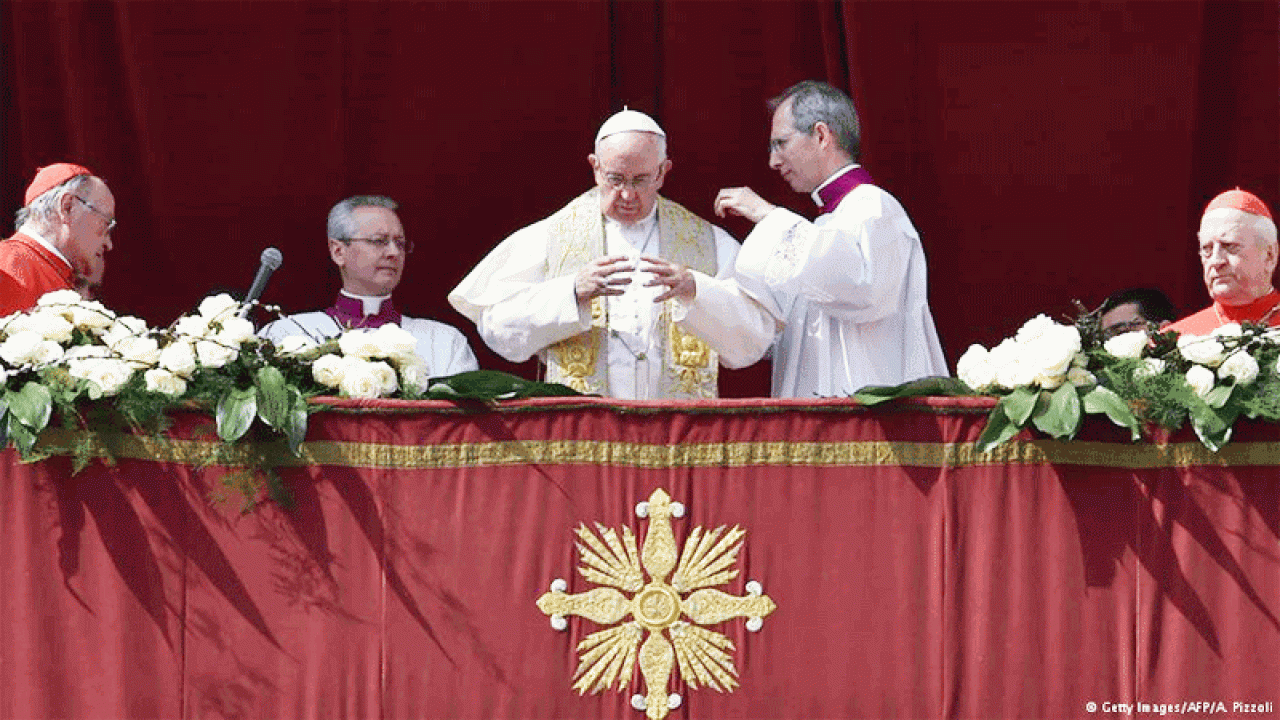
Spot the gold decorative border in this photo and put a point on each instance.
(853, 453)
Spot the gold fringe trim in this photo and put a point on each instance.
(855, 453)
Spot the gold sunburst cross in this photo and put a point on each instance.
(608, 656)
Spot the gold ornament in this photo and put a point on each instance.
(607, 657)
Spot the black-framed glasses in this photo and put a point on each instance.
(111, 222)
(382, 242)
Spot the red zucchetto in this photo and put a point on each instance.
(48, 178)
(1240, 200)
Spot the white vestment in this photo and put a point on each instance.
(851, 288)
(520, 311)
(443, 347)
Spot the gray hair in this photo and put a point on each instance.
(814, 102)
(342, 224)
(662, 142)
(43, 211)
(1261, 227)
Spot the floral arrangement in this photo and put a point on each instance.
(74, 359)
(1050, 375)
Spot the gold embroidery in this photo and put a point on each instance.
(573, 362)
(769, 453)
(690, 359)
(607, 656)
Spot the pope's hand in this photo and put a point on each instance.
(602, 276)
(678, 279)
(742, 201)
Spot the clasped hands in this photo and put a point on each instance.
(610, 274)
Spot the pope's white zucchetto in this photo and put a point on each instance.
(628, 121)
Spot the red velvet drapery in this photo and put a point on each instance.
(1048, 151)
(912, 578)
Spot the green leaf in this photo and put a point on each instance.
(236, 411)
(1219, 395)
(31, 405)
(274, 403)
(1101, 400)
(294, 426)
(872, 395)
(997, 431)
(1061, 419)
(492, 385)
(23, 438)
(1212, 428)
(1019, 404)
(4, 424)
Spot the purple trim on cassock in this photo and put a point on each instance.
(348, 312)
(834, 192)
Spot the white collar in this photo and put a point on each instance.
(818, 200)
(372, 303)
(30, 231)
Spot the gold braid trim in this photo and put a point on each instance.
(855, 453)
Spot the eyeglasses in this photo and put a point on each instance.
(640, 182)
(776, 144)
(382, 242)
(111, 222)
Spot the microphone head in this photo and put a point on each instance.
(272, 258)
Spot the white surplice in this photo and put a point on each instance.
(851, 289)
(519, 311)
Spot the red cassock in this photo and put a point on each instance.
(1217, 315)
(27, 271)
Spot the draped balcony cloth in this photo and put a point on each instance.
(912, 577)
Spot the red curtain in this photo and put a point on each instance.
(912, 580)
(1048, 151)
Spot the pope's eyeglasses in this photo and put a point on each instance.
(111, 222)
(382, 242)
(618, 181)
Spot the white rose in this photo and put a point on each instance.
(163, 381)
(21, 347)
(235, 331)
(1150, 367)
(81, 352)
(974, 368)
(50, 325)
(141, 351)
(328, 370)
(59, 297)
(4, 375)
(218, 307)
(1201, 379)
(124, 327)
(213, 354)
(1202, 350)
(195, 326)
(359, 343)
(179, 358)
(416, 374)
(396, 343)
(1241, 366)
(295, 344)
(46, 353)
(109, 375)
(1127, 345)
(92, 317)
(361, 380)
(1081, 378)
(1230, 330)
(1033, 329)
(387, 374)
(1050, 354)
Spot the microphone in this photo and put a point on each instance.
(268, 263)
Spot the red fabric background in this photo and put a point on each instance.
(1048, 151)
(1021, 590)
